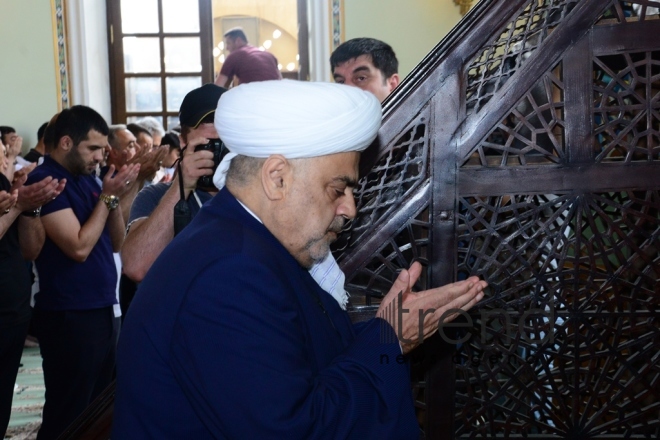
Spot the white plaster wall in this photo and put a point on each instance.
(89, 71)
(28, 89)
(411, 27)
(320, 36)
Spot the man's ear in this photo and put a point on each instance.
(276, 176)
(393, 81)
(65, 143)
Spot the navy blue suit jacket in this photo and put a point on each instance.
(226, 339)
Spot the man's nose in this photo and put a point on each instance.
(347, 207)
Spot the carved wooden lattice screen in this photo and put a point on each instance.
(526, 149)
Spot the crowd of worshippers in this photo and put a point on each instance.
(95, 210)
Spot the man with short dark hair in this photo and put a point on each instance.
(74, 309)
(245, 63)
(121, 139)
(230, 330)
(366, 63)
(10, 138)
(39, 150)
(13, 144)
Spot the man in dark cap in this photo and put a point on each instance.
(150, 224)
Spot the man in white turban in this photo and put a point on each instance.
(229, 335)
(351, 125)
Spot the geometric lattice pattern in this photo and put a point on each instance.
(398, 172)
(565, 343)
(592, 378)
(630, 11)
(627, 107)
(410, 244)
(532, 133)
(509, 51)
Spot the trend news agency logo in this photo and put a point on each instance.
(527, 334)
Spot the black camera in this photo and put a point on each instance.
(219, 150)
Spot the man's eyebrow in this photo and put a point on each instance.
(361, 69)
(349, 181)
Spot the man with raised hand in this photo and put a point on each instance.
(230, 330)
(74, 309)
(21, 239)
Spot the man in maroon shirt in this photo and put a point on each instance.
(245, 62)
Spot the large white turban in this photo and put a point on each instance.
(296, 119)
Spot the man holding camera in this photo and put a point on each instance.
(151, 224)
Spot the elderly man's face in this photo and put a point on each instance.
(145, 141)
(321, 200)
(126, 141)
(156, 138)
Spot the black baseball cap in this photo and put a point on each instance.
(199, 103)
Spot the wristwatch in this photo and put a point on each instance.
(33, 213)
(110, 201)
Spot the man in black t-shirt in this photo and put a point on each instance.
(39, 150)
(21, 238)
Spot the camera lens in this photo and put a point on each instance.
(218, 149)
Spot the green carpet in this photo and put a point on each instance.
(28, 397)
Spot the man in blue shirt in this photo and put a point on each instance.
(73, 312)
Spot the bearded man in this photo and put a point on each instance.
(74, 310)
(229, 335)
